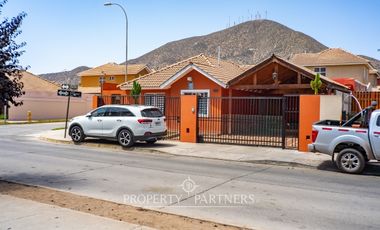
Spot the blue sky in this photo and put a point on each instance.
(63, 34)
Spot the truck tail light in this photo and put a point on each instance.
(314, 135)
(145, 121)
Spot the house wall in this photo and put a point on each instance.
(93, 81)
(359, 72)
(47, 106)
(373, 80)
(199, 82)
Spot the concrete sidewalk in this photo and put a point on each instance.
(23, 214)
(211, 151)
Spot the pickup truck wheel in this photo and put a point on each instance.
(125, 138)
(350, 161)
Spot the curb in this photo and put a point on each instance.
(154, 151)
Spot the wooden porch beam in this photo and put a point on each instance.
(298, 78)
(276, 71)
(273, 86)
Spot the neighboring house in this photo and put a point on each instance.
(113, 74)
(336, 63)
(42, 101)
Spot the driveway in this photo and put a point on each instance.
(284, 197)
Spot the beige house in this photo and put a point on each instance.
(42, 101)
(336, 63)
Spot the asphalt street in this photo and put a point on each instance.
(284, 197)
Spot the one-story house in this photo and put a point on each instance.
(42, 101)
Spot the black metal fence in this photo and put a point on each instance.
(170, 106)
(258, 121)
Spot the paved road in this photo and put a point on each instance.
(285, 198)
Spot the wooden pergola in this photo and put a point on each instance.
(278, 76)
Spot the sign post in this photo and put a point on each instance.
(66, 91)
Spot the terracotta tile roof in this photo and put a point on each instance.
(113, 69)
(222, 72)
(35, 83)
(332, 56)
(246, 67)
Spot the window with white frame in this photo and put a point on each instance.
(156, 100)
(320, 70)
(203, 100)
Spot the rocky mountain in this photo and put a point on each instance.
(68, 77)
(245, 43)
(374, 61)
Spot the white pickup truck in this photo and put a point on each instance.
(355, 142)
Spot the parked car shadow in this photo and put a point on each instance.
(372, 168)
(156, 145)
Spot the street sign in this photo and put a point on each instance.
(76, 94)
(65, 86)
(66, 93)
(63, 92)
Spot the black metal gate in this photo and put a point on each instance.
(173, 117)
(257, 121)
(290, 121)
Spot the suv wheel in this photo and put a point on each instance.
(350, 161)
(125, 138)
(77, 134)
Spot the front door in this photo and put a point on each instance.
(94, 124)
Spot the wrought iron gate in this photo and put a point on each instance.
(257, 121)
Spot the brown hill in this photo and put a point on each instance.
(68, 77)
(246, 43)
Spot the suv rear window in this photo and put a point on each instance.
(153, 112)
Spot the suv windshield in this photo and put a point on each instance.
(153, 112)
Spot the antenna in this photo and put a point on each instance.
(218, 50)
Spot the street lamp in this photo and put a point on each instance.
(126, 35)
(102, 79)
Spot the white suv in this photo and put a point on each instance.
(125, 123)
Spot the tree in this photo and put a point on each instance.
(136, 91)
(316, 84)
(11, 86)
